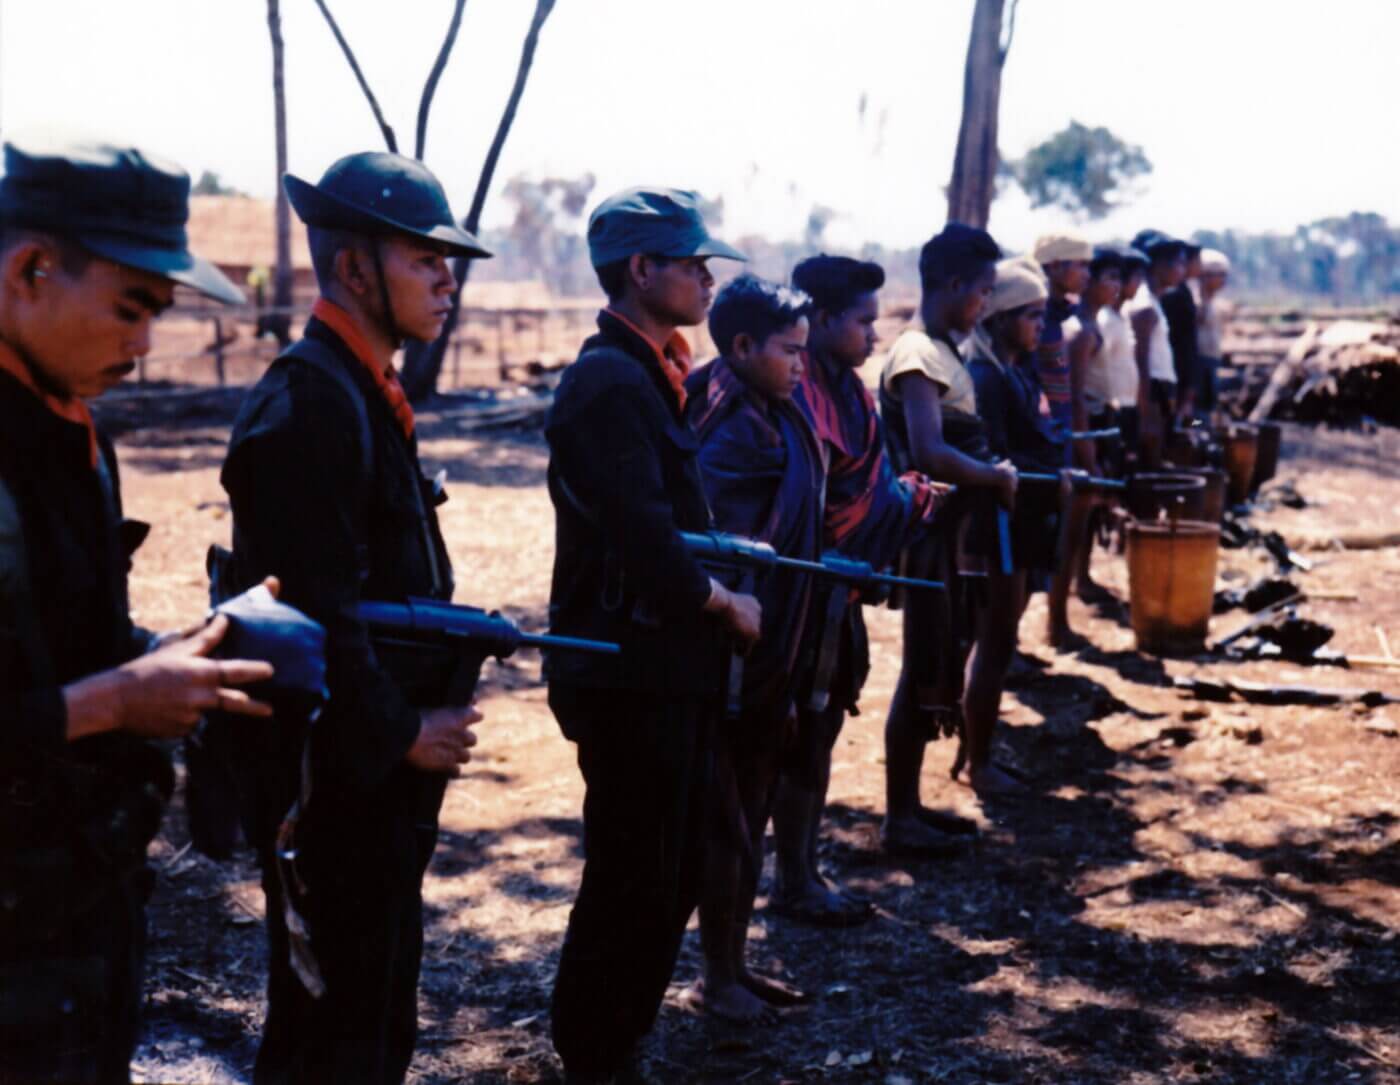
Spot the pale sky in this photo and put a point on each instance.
(1257, 114)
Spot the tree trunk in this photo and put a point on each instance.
(281, 321)
(423, 361)
(975, 165)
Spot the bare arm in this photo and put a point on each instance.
(1081, 347)
(931, 454)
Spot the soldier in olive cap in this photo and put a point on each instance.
(92, 244)
(326, 487)
(624, 481)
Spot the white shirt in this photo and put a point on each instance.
(1112, 375)
(1161, 365)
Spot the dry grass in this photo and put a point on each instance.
(1194, 893)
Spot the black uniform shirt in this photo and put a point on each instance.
(623, 479)
(304, 511)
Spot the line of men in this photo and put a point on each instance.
(778, 439)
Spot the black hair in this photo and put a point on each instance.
(835, 283)
(614, 277)
(326, 243)
(751, 306)
(956, 252)
(73, 257)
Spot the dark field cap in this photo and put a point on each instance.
(1131, 255)
(117, 202)
(1154, 242)
(375, 192)
(656, 221)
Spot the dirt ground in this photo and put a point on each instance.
(1194, 892)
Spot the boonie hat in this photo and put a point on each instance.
(656, 221)
(119, 203)
(375, 192)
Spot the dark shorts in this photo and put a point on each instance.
(1163, 394)
(1033, 531)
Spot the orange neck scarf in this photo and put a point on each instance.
(387, 381)
(69, 408)
(673, 357)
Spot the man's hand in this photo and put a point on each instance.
(163, 694)
(1006, 482)
(445, 740)
(742, 615)
(1071, 479)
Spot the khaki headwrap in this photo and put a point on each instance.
(1213, 260)
(1054, 247)
(1019, 282)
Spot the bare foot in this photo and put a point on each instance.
(1064, 639)
(992, 781)
(822, 906)
(912, 837)
(772, 991)
(1091, 591)
(946, 822)
(732, 1002)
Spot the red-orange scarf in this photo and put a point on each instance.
(69, 408)
(674, 357)
(386, 380)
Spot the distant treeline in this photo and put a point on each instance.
(1347, 260)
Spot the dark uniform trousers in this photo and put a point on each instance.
(364, 903)
(646, 762)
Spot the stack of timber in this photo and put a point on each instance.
(1337, 366)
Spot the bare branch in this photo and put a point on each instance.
(430, 87)
(422, 363)
(389, 139)
(522, 74)
(1010, 30)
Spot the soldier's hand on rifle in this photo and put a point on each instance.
(1071, 479)
(163, 693)
(742, 615)
(1086, 457)
(445, 740)
(1006, 482)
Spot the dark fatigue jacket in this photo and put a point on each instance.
(1179, 307)
(304, 510)
(71, 814)
(623, 480)
(764, 476)
(1008, 401)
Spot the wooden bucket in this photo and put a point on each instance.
(1178, 494)
(1171, 584)
(1241, 452)
(1266, 458)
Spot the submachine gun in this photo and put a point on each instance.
(755, 557)
(442, 646)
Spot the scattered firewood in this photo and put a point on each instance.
(1265, 693)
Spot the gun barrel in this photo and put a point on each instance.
(1096, 434)
(1113, 484)
(431, 616)
(574, 644)
(908, 582)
